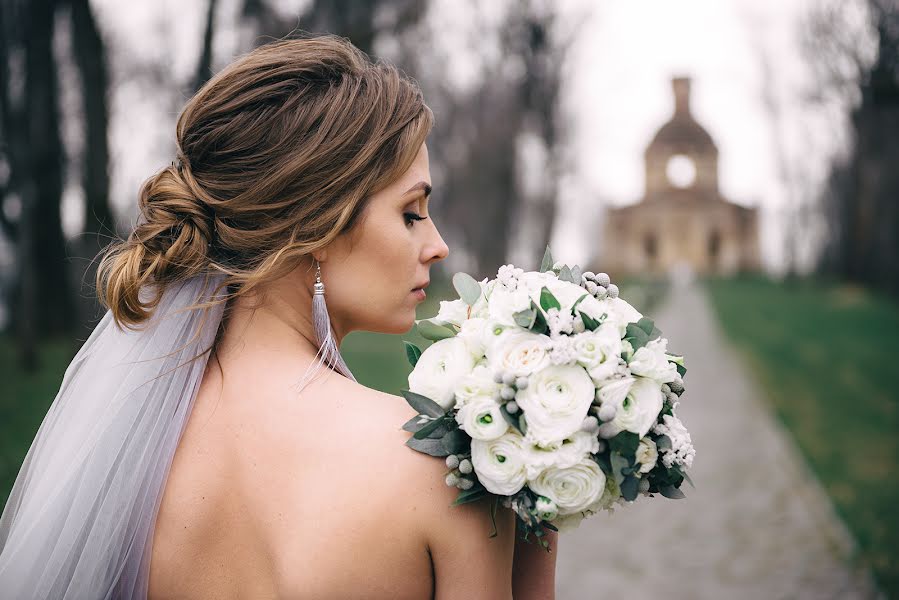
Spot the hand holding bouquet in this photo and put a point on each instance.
(548, 391)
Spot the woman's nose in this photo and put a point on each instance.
(438, 249)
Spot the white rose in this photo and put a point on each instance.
(637, 403)
(499, 463)
(647, 455)
(533, 281)
(619, 313)
(565, 292)
(555, 402)
(477, 383)
(472, 333)
(481, 418)
(651, 361)
(504, 304)
(598, 351)
(519, 352)
(573, 488)
(568, 453)
(439, 368)
(451, 311)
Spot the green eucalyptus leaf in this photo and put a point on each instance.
(590, 323)
(669, 491)
(565, 273)
(547, 300)
(413, 424)
(469, 495)
(625, 443)
(663, 443)
(423, 404)
(413, 353)
(646, 324)
(509, 417)
(428, 446)
(539, 325)
(576, 302)
(431, 427)
(619, 464)
(547, 263)
(456, 441)
(630, 487)
(522, 424)
(467, 287)
(430, 330)
(681, 370)
(576, 274)
(636, 336)
(525, 318)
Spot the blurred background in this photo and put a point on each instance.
(734, 165)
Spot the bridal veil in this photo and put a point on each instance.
(80, 518)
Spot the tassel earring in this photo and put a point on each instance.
(328, 352)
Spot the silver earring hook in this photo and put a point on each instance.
(319, 286)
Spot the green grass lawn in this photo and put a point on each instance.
(827, 355)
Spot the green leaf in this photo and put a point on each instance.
(525, 318)
(565, 274)
(413, 353)
(589, 322)
(625, 443)
(430, 427)
(619, 464)
(413, 424)
(687, 479)
(430, 330)
(576, 302)
(469, 495)
(509, 417)
(469, 289)
(636, 336)
(522, 424)
(663, 443)
(547, 300)
(669, 491)
(549, 525)
(547, 263)
(540, 325)
(630, 487)
(428, 446)
(681, 370)
(456, 441)
(576, 274)
(423, 404)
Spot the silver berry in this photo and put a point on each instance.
(608, 430)
(677, 386)
(452, 461)
(498, 377)
(590, 424)
(591, 287)
(606, 412)
(644, 485)
(465, 466)
(507, 393)
(452, 480)
(665, 388)
(509, 378)
(512, 407)
(613, 290)
(601, 292)
(465, 483)
(603, 279)
(521, 383)
(589, 274)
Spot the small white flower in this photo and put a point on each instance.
(598, 351)
(651, 361)
(572, 488)
(451, 312)
(681, 451)
(555, 402)
(475, 384)
(647, 455)
(439, 369)
(563, 351)
(500, 463)
(637, 403)
(480, 418)
(520, 353)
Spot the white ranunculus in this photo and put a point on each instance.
(451, 312)
(619, 312)
(500, 463)
(565, 292)
(477, 383)
(555, 403)
(599, 351)
(651, 361)
(480, 418)
(504, 304)
(472, 333)
(439, 369)
(637, 403)
(519, 352)
(572, 488)
(533, 281)
(568, 453)
(647, 455)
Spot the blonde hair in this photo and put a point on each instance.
(279, 153)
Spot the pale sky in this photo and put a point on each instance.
(617, 94)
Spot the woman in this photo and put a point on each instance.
(195, 449)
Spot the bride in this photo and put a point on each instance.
(195, 448)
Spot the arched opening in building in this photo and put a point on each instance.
(651, 248)
(714, 248)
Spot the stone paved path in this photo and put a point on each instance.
(758, 526)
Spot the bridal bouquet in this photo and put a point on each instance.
(548, 391)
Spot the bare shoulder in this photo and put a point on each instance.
(471, 545)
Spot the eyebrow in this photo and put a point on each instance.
(421, 185)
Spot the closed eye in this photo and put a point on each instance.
(412, 217)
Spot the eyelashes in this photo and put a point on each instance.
(412, 217)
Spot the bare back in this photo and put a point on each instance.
(274, 495)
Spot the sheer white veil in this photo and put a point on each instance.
(80, 518)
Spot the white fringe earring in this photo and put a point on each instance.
(328, 352)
